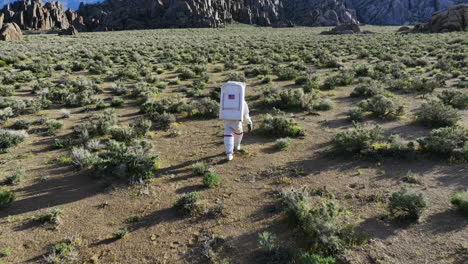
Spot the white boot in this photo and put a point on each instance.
(229, 157)
(237, 141)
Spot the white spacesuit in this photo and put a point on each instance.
(233, 132)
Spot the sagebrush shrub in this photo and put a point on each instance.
(279, 126)
(436, 114)
(53, 125)
(206, 108)
(52, 216)
(460, 200)
(187, 204)
(21, 124)
(82, 158)
(131, 162)
(199, 168)
(6, 198)
(211, 179)
(286, 73)
(406, 204)
(356, 140)
(164, 120)
(11, 138)
(288, 99)
(367, 90)
(15, 177)
(355, 114)
(121, 233)
(236, 77)
(456, 99)
(283, 143)
(267, 241)
(305, 257)
(122, 133)
(383, 107)
(446, 141)
(324, 105)
(323, 224)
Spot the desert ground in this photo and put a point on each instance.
(110, 129)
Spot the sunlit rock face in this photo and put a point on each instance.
(37, 15)
(398, 12)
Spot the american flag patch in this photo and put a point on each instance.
(231, 97)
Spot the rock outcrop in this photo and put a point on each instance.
(148, 14)
(71, 31)
(455, 18)
(398, 12)
(2, 16)
(35, 15)
(115, 14)
(342, 30)
(345, 29)
(10, 31)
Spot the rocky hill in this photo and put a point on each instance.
(115, 15)
(398, 12)
(146, 14)
(36, 15)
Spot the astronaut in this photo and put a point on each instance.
(233, 132)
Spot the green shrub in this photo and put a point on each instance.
(267, 241)
(131, 162)
(288, 99)
(424, 86)
(286, 73)
(187, 204)
(356, 140)
(460, 200)
(206, 108)
(236, 77)
(117, 102)
(279, 126)
(15, 177)
(141, 127)
(324, 105)
(406, 204)
(164, 120)
(122, 134)
(11, 138)
(6, 198)
(323, 224)
(82, 158)
(121, 233)
(383, 107)
(53, 125)
(5, 252)
(186, 73)
(436, 114)
(456, 99)
(52, 216)
(411, 177)
(312, 258)
(199, 168)
(330, 83)
(311, 85)
(367, 90)
(355, 114)
(63, 252)
(283, 143)
(446, 141)
(211, 179)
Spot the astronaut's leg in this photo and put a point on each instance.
(238, 134)
(228, 140)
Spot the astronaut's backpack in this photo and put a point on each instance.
(231, 105)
